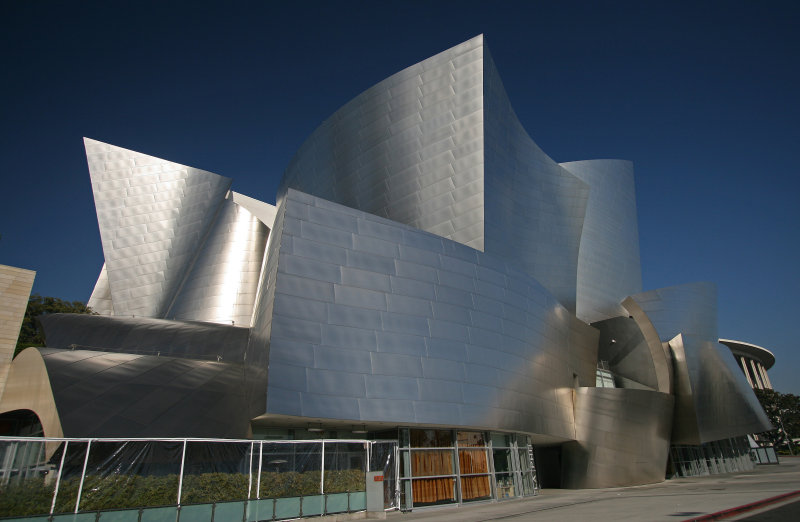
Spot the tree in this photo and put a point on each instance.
(31, 333)
(783, 410)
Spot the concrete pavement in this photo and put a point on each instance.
(673, 500)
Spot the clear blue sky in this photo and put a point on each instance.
(703, 97)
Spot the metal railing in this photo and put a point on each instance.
(240, 478)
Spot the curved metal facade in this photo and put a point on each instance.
(427, 265)
(713, 400)
(409, 149)
(153, 214)
(534, 207)
(608, 264)
(374, 321)
(221, 287)
(616, 428)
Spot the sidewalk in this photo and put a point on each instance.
(673, 500)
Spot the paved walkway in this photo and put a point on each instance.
(673, 500)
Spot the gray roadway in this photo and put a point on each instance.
(672, 500)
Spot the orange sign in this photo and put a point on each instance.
(378, 478)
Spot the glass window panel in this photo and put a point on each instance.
(524, 460)
(427, 492)
(527, 484)
(336, 503)
(358, 501)
(431, 463)
(382, 458)
(505, 485)
(159, 514)
(471, 438)
(431, 438)
(475, 488)
(502, 440)
(502, 460)
(405, 464)
(473, 461)
(313, 505)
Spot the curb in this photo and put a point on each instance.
(719, 515)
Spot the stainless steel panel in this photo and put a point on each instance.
(616, 428)
(100, 300)
(137, 197)
(222, 283)
(713, 399)
(119, 396)
(608, 263)
(143, 335)
(441, 365)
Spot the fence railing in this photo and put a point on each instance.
(241, 478)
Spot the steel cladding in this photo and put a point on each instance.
(427, 265)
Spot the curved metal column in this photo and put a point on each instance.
(609, 269)
(222, 284)
(622, 437)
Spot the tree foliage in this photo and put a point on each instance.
(31, 333)
(783, 410)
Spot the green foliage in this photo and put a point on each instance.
(783, 411)
(30, 334)
(32, 496)
(344, 481)
(214, 487)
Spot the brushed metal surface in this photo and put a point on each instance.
(713, 399)
(623, 438)
(409, 148)
(153, 215)
(100, 301)
(144, 335)
(100, 394)
(609, 269)
(438, 147)
(534, 208)
(222, 283)
(383, 347)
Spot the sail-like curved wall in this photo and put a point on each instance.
(374, 321)
(713, 400)
(608, 264)
(438, 147)
(409, 149)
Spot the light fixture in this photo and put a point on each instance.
(317, 428)
(362, 429)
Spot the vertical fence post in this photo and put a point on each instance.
(180, 477)
(83, 475)
(260, 458)
(58, 478)
(250, 473)
(322, 470)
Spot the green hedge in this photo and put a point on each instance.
(32, 496)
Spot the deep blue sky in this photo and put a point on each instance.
(703, 97)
